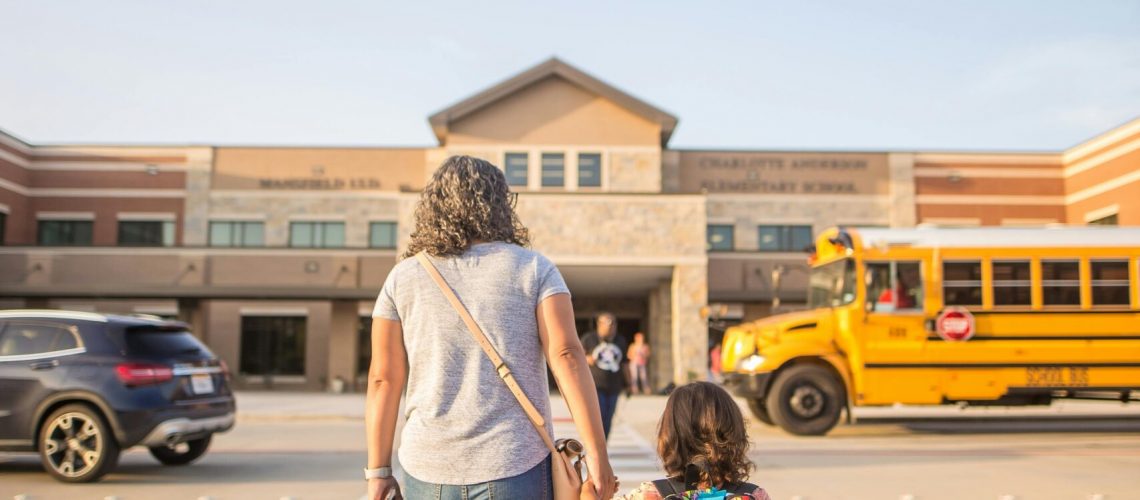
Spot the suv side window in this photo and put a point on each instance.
(27, 338)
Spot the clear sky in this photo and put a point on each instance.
(1007, 75)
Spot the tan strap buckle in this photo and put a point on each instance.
(503, 370)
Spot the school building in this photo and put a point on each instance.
(274, 254)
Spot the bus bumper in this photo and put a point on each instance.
(748, 385)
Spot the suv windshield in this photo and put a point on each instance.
(832, 285)
(163, 343)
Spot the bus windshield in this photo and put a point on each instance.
(832, 285)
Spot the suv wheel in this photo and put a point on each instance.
(806, 400)
(181, 453)
(76, 446)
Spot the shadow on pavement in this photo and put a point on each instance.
(1001, 425)
(215, 468)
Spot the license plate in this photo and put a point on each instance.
(202, 383)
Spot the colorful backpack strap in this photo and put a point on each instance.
(668, 489)
(743, 490)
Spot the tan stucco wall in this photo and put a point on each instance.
(391, 169)
(554, 111)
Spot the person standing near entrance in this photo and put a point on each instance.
(639, 364)
(605, 353)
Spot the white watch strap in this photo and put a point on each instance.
(378, 473)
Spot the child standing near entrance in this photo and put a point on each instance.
(638, 356)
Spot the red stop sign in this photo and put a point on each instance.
(955, 324)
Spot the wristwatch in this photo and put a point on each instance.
(378, 473)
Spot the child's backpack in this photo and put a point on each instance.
(685, 488)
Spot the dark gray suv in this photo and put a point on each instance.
(80, 387)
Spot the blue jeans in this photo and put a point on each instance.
(607, 401)
(534, 483)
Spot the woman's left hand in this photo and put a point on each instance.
(383, 489)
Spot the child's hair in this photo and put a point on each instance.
(703, 426)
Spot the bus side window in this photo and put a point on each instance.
(962, 283)
(894, 286)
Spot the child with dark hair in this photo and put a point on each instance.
(703, 445)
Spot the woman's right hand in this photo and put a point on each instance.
(383, 489)
(602, 477)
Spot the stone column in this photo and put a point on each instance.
(660, 335)
(903, 203)
(690, 332)
(196, 211)
(343, 327)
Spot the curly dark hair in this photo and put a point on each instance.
(467, 200)
(703, 426)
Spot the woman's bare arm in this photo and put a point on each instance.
(386, 377)
(567, 362)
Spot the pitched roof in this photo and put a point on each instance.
(441, 120)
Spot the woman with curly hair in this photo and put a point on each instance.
(466, 436)
(703, 445)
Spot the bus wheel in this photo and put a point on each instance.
(806, 400)
(760, 411)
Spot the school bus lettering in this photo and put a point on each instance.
(1057, 377)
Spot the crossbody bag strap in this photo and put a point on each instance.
(485, 343)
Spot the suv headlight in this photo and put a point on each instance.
(750, 363)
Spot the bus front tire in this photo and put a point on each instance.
(806, 400)
(760, 411)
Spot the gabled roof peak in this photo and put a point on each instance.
(441, 120)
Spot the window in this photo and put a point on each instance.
(316, 234)
(22, 339)
(1061, 282)
(382, 235)
(3, 225)
(589, 170)
(962, 283)
(273, 345)
(237, 234)
(832, 285)
(164, 343)
(784, 238)
(1012, 285)
(720, 238)
(553, 170)
(516, 169)
(894, 286)
(146, 233)
(1108, 220)
(65, 232)
(1110, 283)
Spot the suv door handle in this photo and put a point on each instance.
(45, 365)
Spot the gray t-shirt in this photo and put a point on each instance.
(463, 425)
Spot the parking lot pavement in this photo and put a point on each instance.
(311, 446)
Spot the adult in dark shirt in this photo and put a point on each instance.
(605, 353)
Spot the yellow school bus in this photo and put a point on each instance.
(929, 316)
